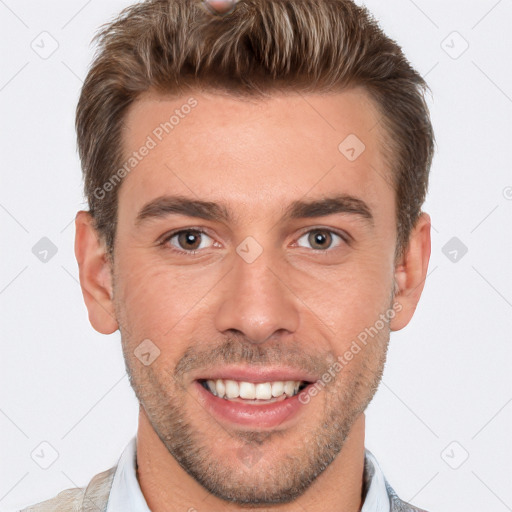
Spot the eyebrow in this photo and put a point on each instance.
(164, 206)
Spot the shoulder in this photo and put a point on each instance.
(397, 505)
(68, 500)
(80, 499)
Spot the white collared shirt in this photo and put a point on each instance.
(126, 495)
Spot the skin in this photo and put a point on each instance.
(292, 305)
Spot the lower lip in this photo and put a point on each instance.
(254, 415)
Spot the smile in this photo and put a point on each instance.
(255, 392)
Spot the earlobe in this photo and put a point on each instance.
(95, 275)
(411, 272)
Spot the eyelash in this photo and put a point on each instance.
(344, 237)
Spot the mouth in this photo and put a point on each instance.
(255, 397)
(253, 392)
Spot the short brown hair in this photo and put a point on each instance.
(262, 46)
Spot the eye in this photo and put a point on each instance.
(190, 241)
(321, 239)
(187, 240)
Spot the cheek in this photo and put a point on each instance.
(351, 297)
(158, 299)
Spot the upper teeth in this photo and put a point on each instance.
(261, 390)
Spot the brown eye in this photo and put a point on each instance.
(188, 240)
(320, 239)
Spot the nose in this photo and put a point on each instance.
(256, 300)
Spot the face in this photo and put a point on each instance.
(253, 252)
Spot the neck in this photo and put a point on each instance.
(167, 487)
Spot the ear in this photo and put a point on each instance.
(411, 272)
(95, 275)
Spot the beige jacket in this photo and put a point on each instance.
(93, 498)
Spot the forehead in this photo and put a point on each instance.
(265, 153)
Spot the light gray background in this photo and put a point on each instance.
(446, 392)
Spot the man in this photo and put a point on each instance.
(255, 174)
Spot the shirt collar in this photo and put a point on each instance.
(125, 493)
(127, 496)
(376, 498)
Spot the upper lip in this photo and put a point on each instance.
(256, 374)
